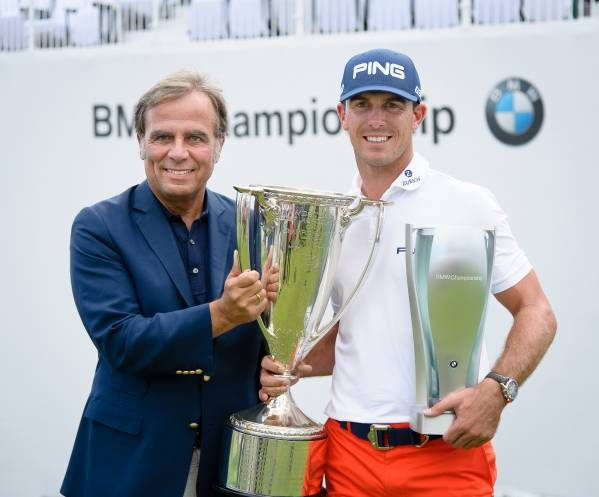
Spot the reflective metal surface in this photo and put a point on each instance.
(301, 232)
(258, 465)
(449, 276)
(279, 418)
(270, 449)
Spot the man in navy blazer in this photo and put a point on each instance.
(178, 349)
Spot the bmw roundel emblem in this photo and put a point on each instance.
(408, 173)
(514, 111)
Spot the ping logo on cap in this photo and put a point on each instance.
(381, 70)
(373, 66)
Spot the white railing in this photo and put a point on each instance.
(59, 23)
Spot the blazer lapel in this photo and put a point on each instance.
(219, 235)
(159, 235)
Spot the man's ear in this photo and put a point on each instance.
(217, 148)
(419, 115)
(341, 114)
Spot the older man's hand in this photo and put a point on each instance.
(242, 301)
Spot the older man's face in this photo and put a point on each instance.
(180, 147)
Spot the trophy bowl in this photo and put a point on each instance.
(274, 449)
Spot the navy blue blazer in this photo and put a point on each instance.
(135, 301)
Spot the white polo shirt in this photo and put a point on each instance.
(373, 379)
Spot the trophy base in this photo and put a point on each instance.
(427, 425)
(272, 450)
(234, 493)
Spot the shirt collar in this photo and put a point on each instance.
(172, 217)
(410, 179)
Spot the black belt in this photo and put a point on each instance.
(385, 437)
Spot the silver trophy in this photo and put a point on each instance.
(449, 275)
(270, 450)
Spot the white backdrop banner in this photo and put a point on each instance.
(67, 142)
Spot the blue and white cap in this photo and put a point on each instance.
(381, 70)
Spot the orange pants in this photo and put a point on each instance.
(355, 469)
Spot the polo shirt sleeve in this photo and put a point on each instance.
(511, 264)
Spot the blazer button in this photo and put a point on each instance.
(185, 372)
(178, 371)
(199, 371)
(194, 426)
(192, 371)
(206, 377)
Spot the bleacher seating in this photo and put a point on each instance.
(547, 10)
(435, 13)
(12, 33)
(137, 14)
(389, 15)
(335, 16)
(207, 20)
(61, 23)
(12, 26)
(42, 9)
(53, 32)
(496, 11)
(247, 18)
(282, 17)
(85, 26)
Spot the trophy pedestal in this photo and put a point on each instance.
(232, 493)
(427, 425)
(272, 450)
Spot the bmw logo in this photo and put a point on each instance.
(514, 111)
(408, 173)
(454, 364)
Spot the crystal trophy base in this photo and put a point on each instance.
(429, 425)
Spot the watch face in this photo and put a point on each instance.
(510, 390)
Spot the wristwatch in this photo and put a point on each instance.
(509, 386)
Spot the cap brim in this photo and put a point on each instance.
(390, 89)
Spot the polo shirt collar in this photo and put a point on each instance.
(172, 217)
(410, 179)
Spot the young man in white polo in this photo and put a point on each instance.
(370, 353)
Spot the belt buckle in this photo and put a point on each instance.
(425, 440)
(373, 436)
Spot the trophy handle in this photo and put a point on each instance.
(347, 218)
(270, 212)
(244, 207)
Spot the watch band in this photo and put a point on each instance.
(509, 386)
(499, 378)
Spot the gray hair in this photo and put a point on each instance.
(178, 85)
